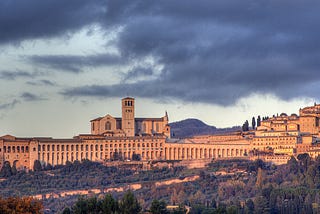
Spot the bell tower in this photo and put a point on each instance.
(128, 121)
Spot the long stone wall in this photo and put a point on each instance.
(24, 151)
(190, 151)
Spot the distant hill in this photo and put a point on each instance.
(192, 127)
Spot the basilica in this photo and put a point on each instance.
(128, 138)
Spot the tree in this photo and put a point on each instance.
(37, 166)
(158, 207)
(136, 157)
(249, 206)
(129, 204)
(259, 121)
(260, 178)
(261, 205)
(93, 205)
(293, 164)
(81, 206)
(232, 209)
(304, 160)
(245, 126)
(109, 204)
(20, 205)
(48, 167)
(6, 170)
(14, 169)
(66, 211)
(116, 156)
(253, 123)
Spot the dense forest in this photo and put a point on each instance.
(228, 186)
(74, 176)
(20, 205)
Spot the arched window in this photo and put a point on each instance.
(108, 125)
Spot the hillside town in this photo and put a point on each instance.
(129, 138)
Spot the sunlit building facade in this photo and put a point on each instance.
(131, 138)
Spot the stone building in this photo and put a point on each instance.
(128, 125)
(131, 138)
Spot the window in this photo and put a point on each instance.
(108, 126)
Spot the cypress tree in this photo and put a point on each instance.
(253, 123)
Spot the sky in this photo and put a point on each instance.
(63, 63)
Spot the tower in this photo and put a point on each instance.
(128, 122)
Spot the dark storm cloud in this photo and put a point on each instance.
(209, 51)
(117, 90)
(8, 106)
(41, 83)
(12, 75)
(75, 64)
(216, 51)
(27, 96)
(137, 72)
(21, 20)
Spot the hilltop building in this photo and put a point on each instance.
(128, 125)
(131, 138)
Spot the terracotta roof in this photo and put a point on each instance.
(58, 140)
(136, 119)
(131, 98)
(99, 118)
(154, 119)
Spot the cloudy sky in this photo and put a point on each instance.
(63, 63)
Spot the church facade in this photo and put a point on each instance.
(128, 125)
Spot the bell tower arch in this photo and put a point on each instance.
(128, 121)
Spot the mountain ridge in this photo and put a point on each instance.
(191, 127)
